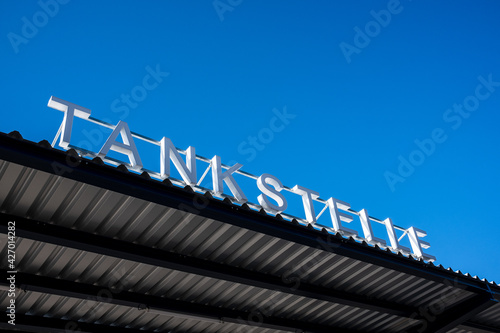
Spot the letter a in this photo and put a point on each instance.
(127, 147)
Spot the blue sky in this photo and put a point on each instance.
(361, 83)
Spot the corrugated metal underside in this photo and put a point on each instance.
(93, 311)
(489, 317)
(78, 206)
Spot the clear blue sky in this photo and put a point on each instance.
(359, 100)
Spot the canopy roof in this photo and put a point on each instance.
(102, 249)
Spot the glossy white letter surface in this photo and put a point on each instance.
(169, 152)
(127, 147)
(70, 110)
(271, 187)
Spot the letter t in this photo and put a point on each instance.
(70, 110)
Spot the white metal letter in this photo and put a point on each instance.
(169, 152)
(70, 110)
(392, 236)
(307, 200)
(337, 217)
(265, 183)
(417, 244)
(367, 228)
(127, 147)
(218, 177)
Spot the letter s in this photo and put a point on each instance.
(265, 183)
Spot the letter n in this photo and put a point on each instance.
(169, 152)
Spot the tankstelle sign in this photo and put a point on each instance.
(271, 198)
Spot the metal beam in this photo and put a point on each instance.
(454, 316)
(27, 323)
(161, 305)
(479, 328)
(57, 235)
